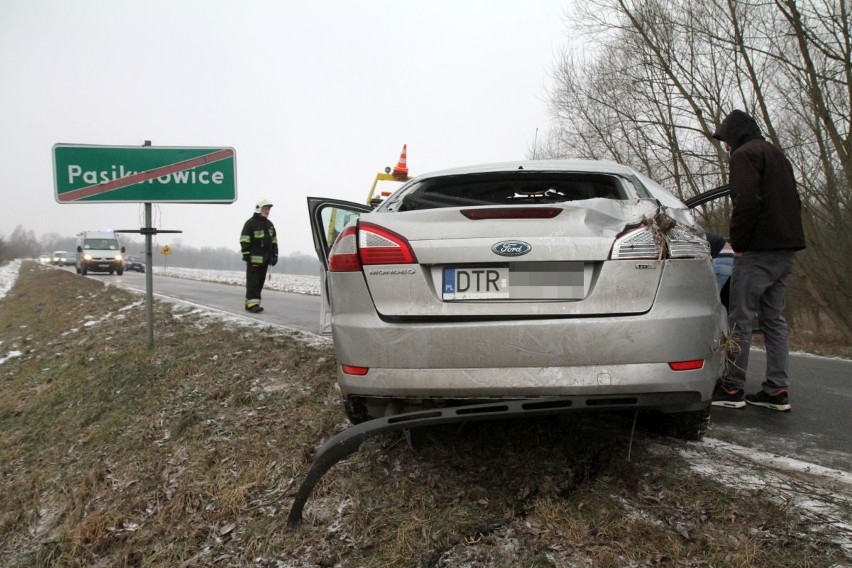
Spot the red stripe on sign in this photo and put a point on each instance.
(140, 177)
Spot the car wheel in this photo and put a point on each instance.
(84, 270)
(119, 272)
(691, 425)
(355, 410)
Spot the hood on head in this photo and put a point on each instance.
(738, 127)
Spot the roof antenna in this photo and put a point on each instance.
(535, 143)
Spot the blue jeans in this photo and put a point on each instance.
(722, 266)
(758, 284)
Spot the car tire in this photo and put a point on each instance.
(355, 410)
(84, 270)
(119, 271)
(690, 425)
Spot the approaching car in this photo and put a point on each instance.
(99, 251)
(62, 258)
(134, 263)
(575, 279)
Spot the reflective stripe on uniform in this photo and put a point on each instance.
(251, 303)
(257, 260)
(259, 234)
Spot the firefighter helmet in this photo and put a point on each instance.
(261, 204)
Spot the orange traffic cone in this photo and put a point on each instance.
(401, 169)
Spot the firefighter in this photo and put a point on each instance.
(259, 245)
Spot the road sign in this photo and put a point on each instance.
(166, 249)
(119, 174)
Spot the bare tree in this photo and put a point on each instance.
(22, 243)
(664, 73)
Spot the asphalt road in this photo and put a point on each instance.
(299, 311)
(818, 429)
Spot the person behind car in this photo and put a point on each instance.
(765, 233)
(723, 261)
(259, 246)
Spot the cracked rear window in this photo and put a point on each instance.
(510, 188)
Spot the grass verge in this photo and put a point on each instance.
(190, 454)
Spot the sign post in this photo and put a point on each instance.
(146, 174)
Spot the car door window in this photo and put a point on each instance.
(334, 220)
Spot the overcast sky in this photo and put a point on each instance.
(316, 97)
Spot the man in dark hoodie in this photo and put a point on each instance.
(765, 233)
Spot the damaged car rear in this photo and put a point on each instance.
(524, 280)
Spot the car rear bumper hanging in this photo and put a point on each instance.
(346, 443)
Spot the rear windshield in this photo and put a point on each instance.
(510, 188)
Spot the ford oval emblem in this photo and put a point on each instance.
(511, 248)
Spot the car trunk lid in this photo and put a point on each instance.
(506, 262)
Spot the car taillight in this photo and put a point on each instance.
(368, 244)
(636, 244)
(687, 244)
(378, 245)
(343, 256)
(686, 365)
(640, 243)
(354, 370)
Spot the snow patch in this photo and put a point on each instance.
(10, 355)
(8, 276)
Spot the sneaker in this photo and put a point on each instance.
(255, 309)
(777, 401)
(728, 398)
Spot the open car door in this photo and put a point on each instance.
(328, 219)
(710, 195)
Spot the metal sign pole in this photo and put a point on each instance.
(149, 277)
(149, 272)
(149, 231)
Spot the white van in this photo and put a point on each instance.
(99, 251)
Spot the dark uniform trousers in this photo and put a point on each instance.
(255, 276)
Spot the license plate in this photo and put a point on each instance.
(519, 281)
(475, 283)
(562, 280)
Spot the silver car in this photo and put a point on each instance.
(62, 258)
(578, 279)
